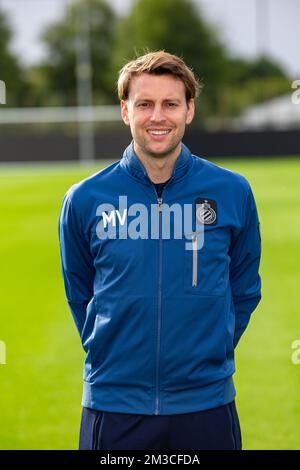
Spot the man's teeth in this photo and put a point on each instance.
(158, 132)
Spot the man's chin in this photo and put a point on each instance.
(161, 152)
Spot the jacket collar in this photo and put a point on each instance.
(131, 163)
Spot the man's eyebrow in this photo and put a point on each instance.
(150, 100)
(173, 99)
(143, 99)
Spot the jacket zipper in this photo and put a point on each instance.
(159, 302)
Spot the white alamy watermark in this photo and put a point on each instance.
(2, 352)
(296, 354)
(161, 221)
(296, 94)
(2, 92)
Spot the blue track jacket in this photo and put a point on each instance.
(159, 314)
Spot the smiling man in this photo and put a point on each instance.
(160, 302)
(157, 112)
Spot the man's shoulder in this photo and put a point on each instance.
(82, 190)
(222, 175)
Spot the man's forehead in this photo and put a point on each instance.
(150, 86)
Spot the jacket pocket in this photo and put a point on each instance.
(206, 264)
(98, 342)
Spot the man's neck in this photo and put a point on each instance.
(158, 169)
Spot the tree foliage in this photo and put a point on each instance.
(10, 69)
(58, 69)
(177, 26)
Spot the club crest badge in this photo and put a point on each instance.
(206, 211)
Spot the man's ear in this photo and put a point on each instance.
(191, 111)
(124, 112)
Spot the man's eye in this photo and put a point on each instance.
(143, 105)
(172, 105)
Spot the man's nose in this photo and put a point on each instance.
(157, 114)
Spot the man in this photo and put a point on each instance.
(160, 255)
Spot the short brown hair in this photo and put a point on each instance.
(158, 63)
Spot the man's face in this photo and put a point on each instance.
(157, 113)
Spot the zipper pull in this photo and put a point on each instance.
(160, 202)
(195, 260)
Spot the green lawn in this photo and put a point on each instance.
(41, 383)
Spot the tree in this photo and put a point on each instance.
(251, 82)
(56, 75)
(264, 67)
(177, 27)
(10, 70)
(259, 68)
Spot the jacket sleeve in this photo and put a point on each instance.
(245, 254)
(76, 263)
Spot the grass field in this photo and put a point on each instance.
(41, 383)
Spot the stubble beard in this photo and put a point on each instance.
(146, 149)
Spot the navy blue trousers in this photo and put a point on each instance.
(214, 429)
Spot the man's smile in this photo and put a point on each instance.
(158, 135)
(158, 131)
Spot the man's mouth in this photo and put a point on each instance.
(159, 131)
